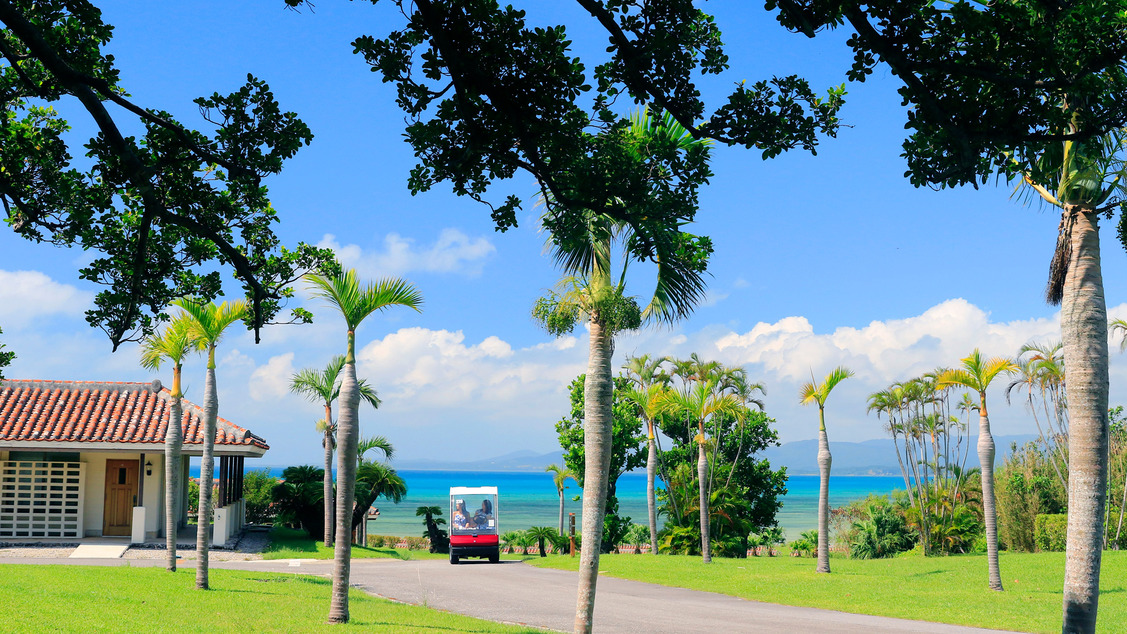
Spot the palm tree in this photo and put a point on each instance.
(650, 380)
(1089, 181)
(324, 387)
(976, 374)
(344, 292)
(699, 403)
(173, 343)
(813, 392)
(649, 401)
(432, 517)
(559, 478)
(591, 293)
(362, 447)
(207, 324)
(374, 480)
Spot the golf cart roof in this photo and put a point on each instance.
(473, 490)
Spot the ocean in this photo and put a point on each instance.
(529, 498)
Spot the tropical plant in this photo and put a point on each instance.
(883, 533)
(698, 404)
(323, 387)
(173, 343)
(366, 444)
(432, 519)
(297, 499)
(814, 392)
(542, 535)
(650, 381)
(977, 374)
(374, 480)
(206, 324)
(355, 302)
(560, 476)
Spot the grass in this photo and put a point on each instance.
(288, 543)
(122, 599)
(944, 589)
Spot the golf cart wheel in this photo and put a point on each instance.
(454, 559)
(494, 558)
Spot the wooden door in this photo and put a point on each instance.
(121, 497)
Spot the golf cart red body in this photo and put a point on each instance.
(474, 528)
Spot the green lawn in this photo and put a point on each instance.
(122, 599)
(944, 589)
(288, 543)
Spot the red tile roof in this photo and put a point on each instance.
(80, 411)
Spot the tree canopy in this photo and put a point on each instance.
(487, 95)
(165, 209)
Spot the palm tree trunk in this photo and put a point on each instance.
(651, 500)
(207, 472)
(561, 492)
(598, 392)
(986, 461)
(824, 460)
(702, 477)
(1084, 333)
(348, 436)
(328, 484)
(173, 447)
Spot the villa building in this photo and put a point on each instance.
(81, 459)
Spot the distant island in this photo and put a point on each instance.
(869, 457)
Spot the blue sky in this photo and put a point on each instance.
(819, 260)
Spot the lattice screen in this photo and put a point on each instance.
(41, 499)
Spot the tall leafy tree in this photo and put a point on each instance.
(560, 477)
(625, 455)
(175, 342)
(355, 302)
(976, 374)
(323, 386)
(206, 323)
(164, 206)
(814, 392)
(994, 89)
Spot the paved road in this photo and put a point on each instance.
(513, 592)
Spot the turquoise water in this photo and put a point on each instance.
(529, 498)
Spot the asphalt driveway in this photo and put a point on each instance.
(513, 592)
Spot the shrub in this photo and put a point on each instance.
(1026, 486)
(1050, 531)
(257, 491)
(882, 534)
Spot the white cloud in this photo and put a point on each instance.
(272, 381)
(28, 295)
(452, 252)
